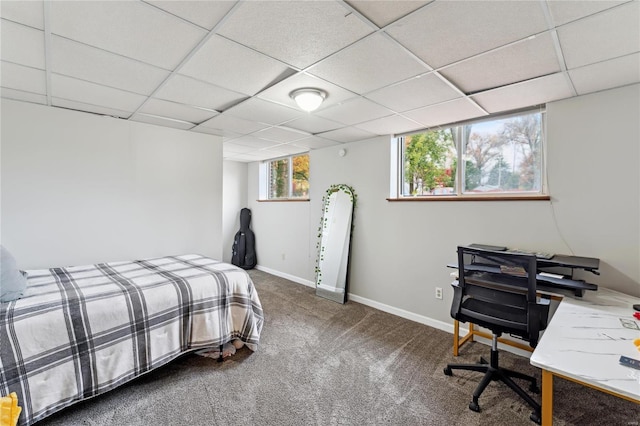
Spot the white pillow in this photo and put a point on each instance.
(13, 282)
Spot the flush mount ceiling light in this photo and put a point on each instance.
(308, 99)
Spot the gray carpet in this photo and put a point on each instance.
(322, 363)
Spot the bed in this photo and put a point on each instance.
(81, 331)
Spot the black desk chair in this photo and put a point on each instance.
(497, 290)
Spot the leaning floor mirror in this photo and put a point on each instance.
(334, 236)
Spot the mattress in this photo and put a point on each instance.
(84, 330)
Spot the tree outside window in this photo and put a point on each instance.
(289, 177)
(501, 155)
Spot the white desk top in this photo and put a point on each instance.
(585, 338)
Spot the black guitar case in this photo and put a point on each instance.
(244, 243)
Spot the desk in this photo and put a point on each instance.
(583, 343)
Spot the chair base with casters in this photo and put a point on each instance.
(493, 372)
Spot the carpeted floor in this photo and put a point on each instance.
(322, 363)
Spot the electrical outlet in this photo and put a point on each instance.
(438, 292)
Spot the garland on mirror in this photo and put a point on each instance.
(323, 221)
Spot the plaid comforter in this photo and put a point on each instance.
(81, 331)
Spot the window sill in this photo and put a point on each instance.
(284, 200)
(474, 198)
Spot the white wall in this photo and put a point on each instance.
(234, 191)
(400, 249)
(79, 188)
(282, 233)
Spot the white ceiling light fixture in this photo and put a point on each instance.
(308, 99)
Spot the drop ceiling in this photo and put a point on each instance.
(226, 68)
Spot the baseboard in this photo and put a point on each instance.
(440, 325)
(448, 327)
(286, 276)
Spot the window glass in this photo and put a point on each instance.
(279, 178)
(430, 160)
(288, 177)
(300, 177)
(502, 155)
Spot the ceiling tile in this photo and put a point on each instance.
(279, 93)
(203, 13)
(133, 29)
(315, 142)
(264, 111)
(99, 66)
(606, 75)
(22, 45)
(254, 142)
(188, 91)
(613, 33)
(384, 12)
(84, 107)
(563, 11)
(518, 62)
(346, 134)
(365, 66)
(445, 113)
(231, 65)
(390, 125)
(280, 134)
(233, 148)
(95, 94)
(161, 121)
(525, 94)
(284, 149)
(226, 134)
(19, 95)
(414, 93)
(177, 111)
(229, 123)
(245, 158)
(313, 124)
(355, 111)
(23, 78)
(29, 13)
(299, 33)
(447, 31)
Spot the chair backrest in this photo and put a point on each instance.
(497, 290)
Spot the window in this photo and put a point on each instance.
(287, 178)
(498, 156)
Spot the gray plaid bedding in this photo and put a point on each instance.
(81, 331)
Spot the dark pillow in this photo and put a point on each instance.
(13, 282)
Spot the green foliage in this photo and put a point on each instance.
(472, 176)
(323, 221)
(425, 160)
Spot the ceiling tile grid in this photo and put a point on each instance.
(444, 32)
(81, 61)
(299, 33)
(29, 13)
(227, 68)
(370, 64)
(22, 45)
(23, 78)
(228, 64)
(130, 28)
(528, 59)
(606, 35)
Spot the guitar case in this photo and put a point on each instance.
(244, 244)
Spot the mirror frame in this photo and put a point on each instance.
(340, 297)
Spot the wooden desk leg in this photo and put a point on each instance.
(456, 337)
(547, 398)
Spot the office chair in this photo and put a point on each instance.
(497, 290)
